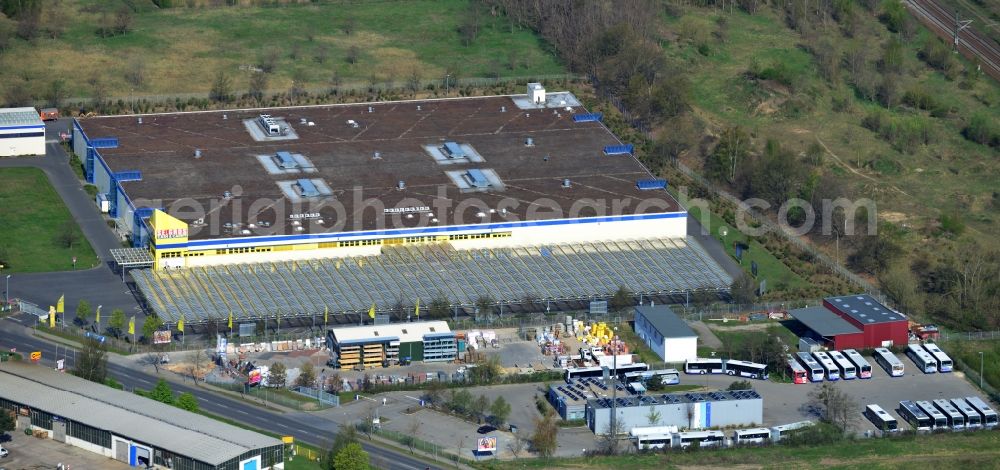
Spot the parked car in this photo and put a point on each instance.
(486, 429)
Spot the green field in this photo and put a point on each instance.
(182, 49)
(34, 224)
(952, 450)
(968, 353)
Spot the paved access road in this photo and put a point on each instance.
(303, 427)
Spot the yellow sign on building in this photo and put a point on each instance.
(168, 229)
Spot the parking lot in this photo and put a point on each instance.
(27, 452)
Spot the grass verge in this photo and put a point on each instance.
(38, 234)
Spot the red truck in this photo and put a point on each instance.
(49, 114)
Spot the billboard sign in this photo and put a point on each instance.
(247, 329)
(255, 377)
(161, 337)
(486, 444)
(36, 356)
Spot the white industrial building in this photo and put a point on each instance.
(22, 132)
(665, 333)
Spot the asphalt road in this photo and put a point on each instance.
(317, 432)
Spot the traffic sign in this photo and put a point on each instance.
(36, 356)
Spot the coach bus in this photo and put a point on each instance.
(782, 431)
(831, 369)
(654, 437)
(847, 369)
(755, 436)
(665, 376)
(922, 358)
(864, 368)
(888, 361)
(598, 372)
(746, 369)
(703, 438)
(799, 373)
(704, 366)
(972, 417)
(881, 418)
(989, 416)
(955, 418)
(912, 414)
(938, 418)
(816, 372)
(943, 361)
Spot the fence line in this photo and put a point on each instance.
(971, 336)
(972, 374)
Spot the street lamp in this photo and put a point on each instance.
(6, 294)
(980, 368)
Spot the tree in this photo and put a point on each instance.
(484, 305)
(724, 163)
(135, 73)
(258, 85)
(277, 375)
(150, 325)
(307, 375)
(439, 307)
(835, 406)
(479, 406)
(298, 88)
(222, 88)
(545, 439)
(740, 385)
(500, 410)
(92, 361)
(349, 25)
(347, 434)
(353, 53)
(187, 401)
(117, 321)
(196, 364)
(351, 457)
(162, 392)
(83, 311)
(7, 421)
(516, 445)
(461, 401)
(743, 289)
(435, 393)
(123, 21)
(68, 234)
(410, 439)
(622, 299)
(56, 93)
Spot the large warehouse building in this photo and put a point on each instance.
(126, 427)
(666, 333)
(298, 211)
(684, 410)
(22, 132)
(854, 321)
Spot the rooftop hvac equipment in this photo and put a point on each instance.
(352, 123)
(566, 183)
(371, 109)
(269, 124)
(588, 117)
(477, 178)
(536, 92)
(503, 109)
(377, 156)
(311, 124)
(652, 183)
(453, 150)
(418, 107)
(529, 142)
(401, 185)
(307, 188)
(197, 153)
(303, 120)
(545, 158)
(225, 117)
(434, 220)
(624, 149)
(285, 160)
(140, 119)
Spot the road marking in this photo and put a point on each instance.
(240, 411)
(15, 319)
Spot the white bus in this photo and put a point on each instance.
(653, 437)
(882, 420)
(755, 436)
(955, 418)
(943, 361)
(830, 367)
(746, 369)
(911, 413)
(703, 366)
(703, 438)
(888, 361)
(665, 376)
(939, 420)
(816, 372)
(922, 359)
(847, 369)
(989, 416)
(864, 368)
(782, 431)
(972, 417)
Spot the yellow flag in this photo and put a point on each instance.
(416, 309)
(52, 317)
(61, 304)
(180, 324)
(371, 311)
(98, 319)
(131, 325)
(326, 314)
(230, 320)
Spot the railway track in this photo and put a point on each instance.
(971, 44)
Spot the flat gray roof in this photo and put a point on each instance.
(823, 321)
(666, 322)
(127, 415)
(674, 398)
(864, 309)
(18, 117)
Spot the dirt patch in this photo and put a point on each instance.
(893, 217)
(706, 336)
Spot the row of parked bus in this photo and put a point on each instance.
(929, 358)
(732, 367)
(833, 365)
(668, 437)
(941, 414)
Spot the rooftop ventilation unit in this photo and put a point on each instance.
(197, 153)
(529, 142)
(140, 120)
(536, 93)
(303, 120)
(285, 160)
(476, 178)
(649, 184)
(371, 109)
(307, 188)
(269, 124)
(453, 150)
(624, 149)
(401, 185)
(377, 156)
(503, 109)
(589, 117)
(566, 183)
(225, 117)
(352, 123)
(418, 108)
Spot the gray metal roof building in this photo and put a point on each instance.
(863, 308)
(684, 410)
(128, 427)
(665, 333)
(665, 321)
(823, 322)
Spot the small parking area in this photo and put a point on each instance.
(28, 452)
